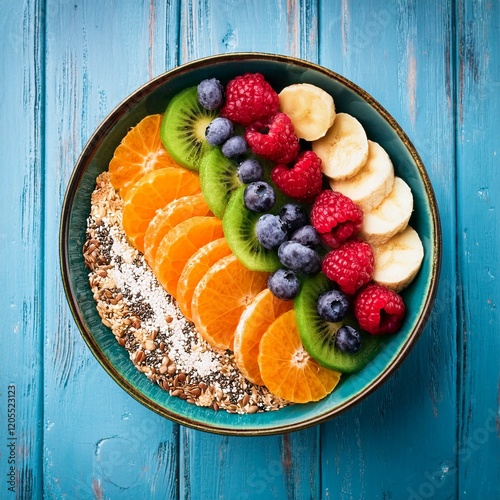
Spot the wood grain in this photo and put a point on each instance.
(432, 431)
(218, 27)
(271, 467)
(21, 238)
(98, 442)
(411, 414)
(478, 253)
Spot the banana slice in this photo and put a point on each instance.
(310, 109)
(390, 217)
(398, 260)
(372, 183)
(344, 148)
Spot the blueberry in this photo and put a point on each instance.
(210, 93)
(307, 236)
(299, 258)
(250, 171)
(348, 339)
(283, 284)
(294, 215)
(259, 196)
(234, 146)
(219, 131)
(333, 305)
(271, 231)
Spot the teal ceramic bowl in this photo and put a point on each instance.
(152, 98)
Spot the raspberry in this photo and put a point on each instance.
(249, 98)
(379, 309)
(302, 182)
(336, 217)
(350, 265)
(273, 138)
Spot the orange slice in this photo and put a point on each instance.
(140, 152)
(220, 298)
(286, 368)
(179, 244)
(255, 320)
(151, 193)
(168, 217)
(195, 268)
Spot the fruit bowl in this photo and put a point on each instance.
(279, 71)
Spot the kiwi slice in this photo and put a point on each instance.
(318, 335)
(218, 179)
(183, 128)
(239, 230)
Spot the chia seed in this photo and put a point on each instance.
(146, 321)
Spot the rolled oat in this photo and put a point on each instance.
(146, 321)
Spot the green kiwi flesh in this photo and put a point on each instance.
(239, 224)
(318, 335)
(218, 179)
(183, 128)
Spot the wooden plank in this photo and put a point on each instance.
(227, 467)
(21, 238)
(98, 442)
(399, 443)
(478, 235)
(250, 468)
(217, 27)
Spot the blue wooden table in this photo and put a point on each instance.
(68, 431)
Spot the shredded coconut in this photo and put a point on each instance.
(146, 321)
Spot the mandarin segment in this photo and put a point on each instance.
(255, 320)
(194, 270)
(168, 217)
(149, 194)
(140, 152)
(220, 298)
(287, 369)
(179, 244)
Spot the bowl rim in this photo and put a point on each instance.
(74, 182)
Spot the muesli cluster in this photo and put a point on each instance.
(146, 321)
